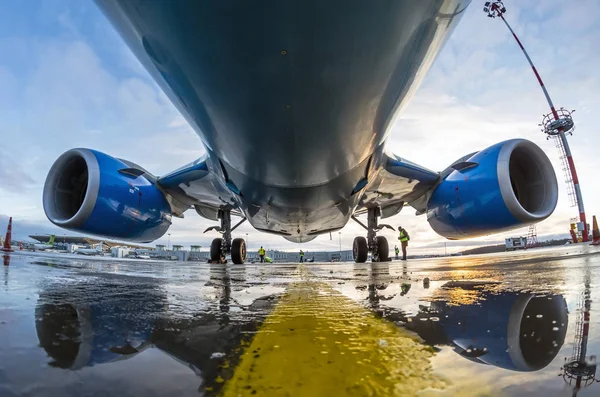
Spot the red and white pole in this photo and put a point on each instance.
(585, 235)
(586, 331)
(496, 9)
(537, 75)
(7, 247)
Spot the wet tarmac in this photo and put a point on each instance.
(514, 324)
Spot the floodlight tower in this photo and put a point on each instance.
(556, 124)
(580, 370)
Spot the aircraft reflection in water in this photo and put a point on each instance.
(511, 330)
(518, 331)
(76, 329)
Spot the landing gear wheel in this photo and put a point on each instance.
(216, 250)
(360, 250)
(383, 249)
(238, 251)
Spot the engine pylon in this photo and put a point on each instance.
(7, 247)
(595, 233)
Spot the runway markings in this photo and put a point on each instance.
(317, 342)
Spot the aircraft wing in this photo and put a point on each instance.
(399, 182)
(196, 184)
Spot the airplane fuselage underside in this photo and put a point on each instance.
(293, 100)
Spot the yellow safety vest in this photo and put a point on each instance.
(261, 251)
(403, 237)
(301, 253)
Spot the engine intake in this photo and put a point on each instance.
(518, 331)
(85, 192)
(510, 184)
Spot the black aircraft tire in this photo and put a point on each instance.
(360, 250)
(238, 251)
(383, 249)
(215, 250)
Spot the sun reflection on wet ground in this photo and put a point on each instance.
(486, 325)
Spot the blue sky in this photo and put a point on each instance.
(68, 81)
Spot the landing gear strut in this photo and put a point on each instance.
(220, 247)
(376, 245)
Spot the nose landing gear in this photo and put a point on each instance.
(376, 245)
(220, 247)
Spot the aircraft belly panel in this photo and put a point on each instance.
(292, 93)
(297, 225)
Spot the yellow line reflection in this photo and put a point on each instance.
(318, 342)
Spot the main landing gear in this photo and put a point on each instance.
(376, 245)
(220, 247)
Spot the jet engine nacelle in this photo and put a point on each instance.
(516, 331)
(91, 192)
(510, 184)
(78, 329)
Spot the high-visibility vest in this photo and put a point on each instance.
(301, 253)
(403, 237)
(261, 251)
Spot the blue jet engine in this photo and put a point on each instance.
(516, 331)
(507, 185)
(91, 192)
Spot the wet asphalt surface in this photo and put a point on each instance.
(497, 324)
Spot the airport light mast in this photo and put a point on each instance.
(556, 124)
(580, 370)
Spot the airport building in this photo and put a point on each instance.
(179, 253)
(81, 241)
(284, 256)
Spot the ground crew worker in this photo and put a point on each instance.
(403, 237)
(404, 288)
(301, 256)
(396, 250)
(261, 253)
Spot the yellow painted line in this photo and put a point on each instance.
(317, 342)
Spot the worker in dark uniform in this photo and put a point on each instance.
(301, 256)
(403, 237)
(261, 253)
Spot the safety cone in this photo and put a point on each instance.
(595, 233)
(7, 247)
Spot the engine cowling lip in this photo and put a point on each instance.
(506, 190)
(514, 330)
(91, 194)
